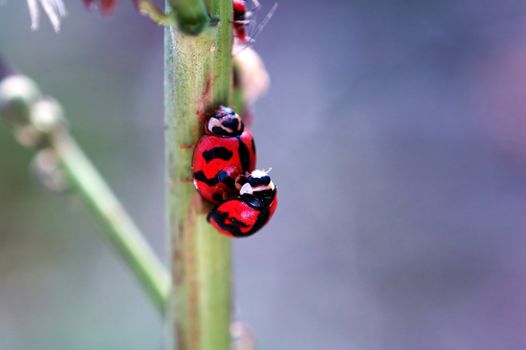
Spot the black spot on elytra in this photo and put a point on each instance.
(234, 226)
(217, 153)
(262, 219)
(244, 155)
(200, 176)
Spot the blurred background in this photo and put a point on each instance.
(396, 133)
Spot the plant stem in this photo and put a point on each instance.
(118, 226)
(197, 79)
(19, 98)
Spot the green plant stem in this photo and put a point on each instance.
(198, 78)
(118, 226)
(41, 120)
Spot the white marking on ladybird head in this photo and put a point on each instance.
(225, 122)
(255, 185)
(259, 173)
(246, 189)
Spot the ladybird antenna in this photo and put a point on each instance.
(265, 20)
(268, 170)
(257, 5)
(259, 28)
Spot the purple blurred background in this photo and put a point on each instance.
(396, 133)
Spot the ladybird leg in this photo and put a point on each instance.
(263, 23)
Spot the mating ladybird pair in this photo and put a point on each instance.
(224, 174)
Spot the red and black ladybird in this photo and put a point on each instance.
(251, 210)
(240, 20)
(225, 152)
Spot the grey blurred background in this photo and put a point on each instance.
(396, 133)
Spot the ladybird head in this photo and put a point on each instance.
(225, 122)
(258, 189)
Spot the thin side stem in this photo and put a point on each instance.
(118, 226)
(22, 106)
(198, 79)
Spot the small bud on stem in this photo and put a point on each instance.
(17, 95)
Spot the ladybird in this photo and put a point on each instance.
(250, 211)
(224, 153)
(240, 20)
